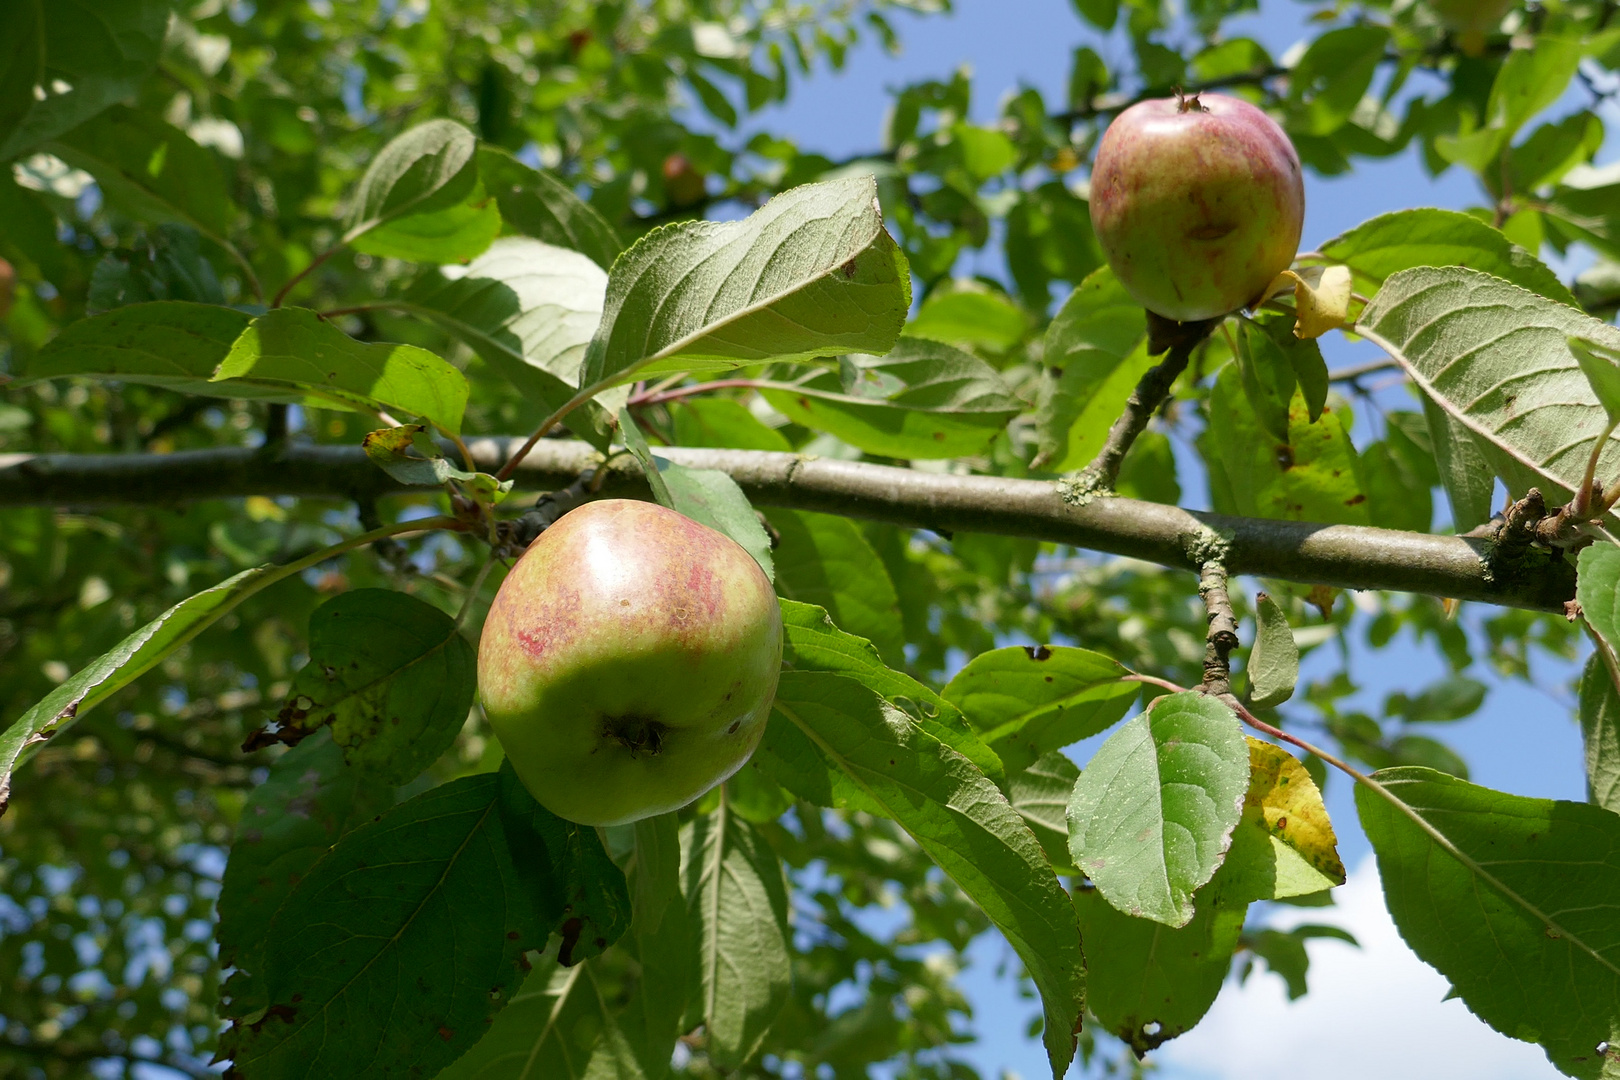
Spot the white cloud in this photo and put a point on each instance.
(1376, 1011)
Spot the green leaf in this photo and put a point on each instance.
(1400, 476)
(171, 267)
(811, 642)
(100, 53)
(811, 273)
(970, 315)
(1601, 366)
(537, 204)
(1146, 982)
(723, 422)
(962, 821)
(1268, 379)
(1597, 588)
(1273, 666)
(1454, 697)
(309, 800)
(425, 171)
(1600, 731)
(1528, 81)
(1496, 358)
(151, 170)
(528, 309)
(117, 668)
(1512, 900)
(1040, 794)
(174, 344)
(1328, 82)
(22, 64)
(662, 937)
(1027, 701)
(736, 897)
(392, 676)
(823, 559)
(708, 496)
(1283, 846)
(1376, 250)
(1153, 813)
(1096, 352)
(422, 907)
(1467, 477)
(295, 346)
(1315, 476)
(923, 400)
(453, 234)
(389, 449)
(1284, 952)
(564, 873)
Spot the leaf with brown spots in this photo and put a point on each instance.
(1284, 844)
(391, 674)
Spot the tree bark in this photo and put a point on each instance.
(1342, 556)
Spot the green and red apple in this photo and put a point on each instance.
(1198, 203)
(629, 662)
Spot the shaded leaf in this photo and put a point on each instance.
(824, 560)
(528, 310)
(307, 802)
(962, 821)
(1600, 730)
(811, 642)
(1284, 951)
(1481, 883)
(391, 954)
(1095, 354)
(152, 170)
(1040, 794)
(426, 170)
(1147, 982)
(537, 204)
(923, 400)
(1152, 815)
(88, 54)
(736, 897)
(118, 667)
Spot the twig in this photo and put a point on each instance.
(1222, 636)
(281, 294)
(1150, 393)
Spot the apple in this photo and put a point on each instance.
(1198, 203)
(629, 661)
(684, 185)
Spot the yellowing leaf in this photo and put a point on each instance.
(1321, 297)
(1284, 843)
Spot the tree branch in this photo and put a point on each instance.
(1342, 556)
(1222, 637)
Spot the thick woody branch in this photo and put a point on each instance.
(1343, 556)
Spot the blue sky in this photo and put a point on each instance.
(1377, 1010)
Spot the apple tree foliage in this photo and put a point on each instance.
(286, 286)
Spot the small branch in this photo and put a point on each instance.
(1222, 637)
(281, 294)
(1359, 371)
(1150, 393)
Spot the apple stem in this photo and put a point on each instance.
(1151, 392)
